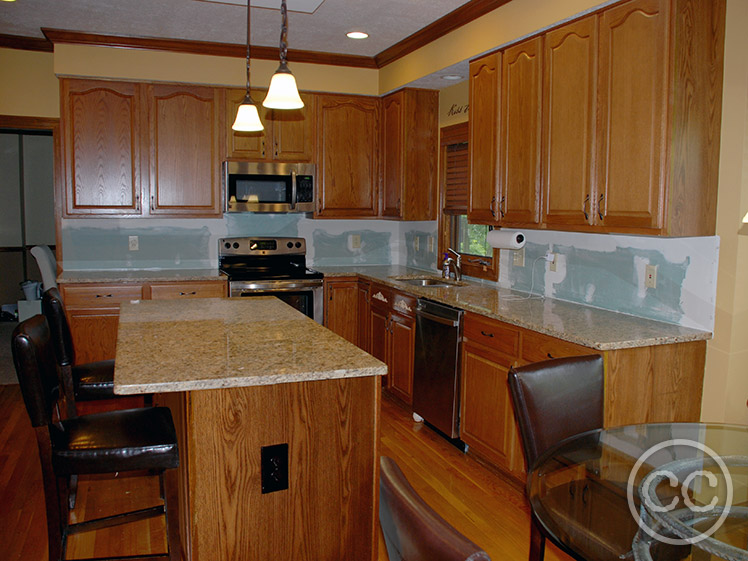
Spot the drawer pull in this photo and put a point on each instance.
(104, 296)
(188, 293)
(549, 355)
(486, 334)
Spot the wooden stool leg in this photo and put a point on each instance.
(537, 542)
(170, 484)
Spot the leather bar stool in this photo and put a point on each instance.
(115, 441)
(553, 400)
(412, 530)
(80, 382)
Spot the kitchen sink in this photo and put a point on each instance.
(427, 281)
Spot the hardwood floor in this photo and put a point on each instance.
(479, 503)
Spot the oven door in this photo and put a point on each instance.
(304, 295)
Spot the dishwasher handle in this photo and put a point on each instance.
(438, 319)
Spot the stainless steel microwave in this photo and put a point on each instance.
(268, 187)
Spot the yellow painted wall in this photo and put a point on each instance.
(453, 104)
(28, 86)
(726, 377)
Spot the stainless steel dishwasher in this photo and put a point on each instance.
(436, 381)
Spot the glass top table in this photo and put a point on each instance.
(665, 485)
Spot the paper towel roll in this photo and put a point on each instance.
(502, 239)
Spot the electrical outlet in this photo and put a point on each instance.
(417, 243)
(431, 244)
(274, 468)
(355, 241)
(650, 276)
(553, 262)
(518, 260)
(132, 243)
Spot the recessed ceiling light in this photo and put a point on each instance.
(451, 77)
(357, 35)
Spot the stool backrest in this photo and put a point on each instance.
(412, 530)
(54, 311)
(556, 399)
(36, 369)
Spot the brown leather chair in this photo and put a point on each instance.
(412, 530)
(553, 400)
(126, 440)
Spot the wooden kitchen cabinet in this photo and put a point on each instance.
(410, 133)
(187, 289)
(364, 310)
(288, 135)
(569, 103)
(348, 158)
(139, 149)
(102, 146)
(519, 164)
(485, 97)
(342, 307)
(392, 327)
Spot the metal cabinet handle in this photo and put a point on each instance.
(502, 206)
(549, 355)
(104, 296)
(584, 207)
(137, 203)
(491, 207)
(600, 207)
(188, 293)
(153, 202)
(486, 334)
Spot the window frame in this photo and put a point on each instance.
(478, 266)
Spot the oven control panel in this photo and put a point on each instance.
(257, 245)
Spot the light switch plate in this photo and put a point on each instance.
(132, 243)
(355, 241)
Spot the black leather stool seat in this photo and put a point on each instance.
(94, 380)
(130, 439)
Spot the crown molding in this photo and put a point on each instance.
(25, 43)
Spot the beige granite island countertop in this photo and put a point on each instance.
(140, 275)
(592, 327)
(208, 343)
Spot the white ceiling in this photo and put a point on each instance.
(224, 21)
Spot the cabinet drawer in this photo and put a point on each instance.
(537, 347)
(172, 291)
(493, 334)
(404, 304)
(381, 295)
(100, 296)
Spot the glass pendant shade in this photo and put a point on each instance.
(247, 117)
(283, 93)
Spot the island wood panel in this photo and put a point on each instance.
(569, 101)
(484, 99)
(662, 383)
(101, 129)
(634, 57)
(185, 147)
(329, 511)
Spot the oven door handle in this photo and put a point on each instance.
(293, 189)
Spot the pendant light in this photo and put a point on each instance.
(282, 93)
(247, 117)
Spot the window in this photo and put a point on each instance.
(478, 258)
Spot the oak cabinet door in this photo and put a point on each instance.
(569, 98)
(101, 129)
(632, 88)
(521, 82)
(485, 94)
(341, 312)
(393, 115)
(348, 169)
(185, 150)
(402, 350)
(253, 145)
(364, 310)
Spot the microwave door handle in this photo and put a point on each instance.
(293, 189)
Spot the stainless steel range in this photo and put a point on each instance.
(266, 266)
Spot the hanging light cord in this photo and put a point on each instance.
(284, 33)
(248, 23)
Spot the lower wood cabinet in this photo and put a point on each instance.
(342, 307)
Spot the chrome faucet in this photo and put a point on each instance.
(450, 265)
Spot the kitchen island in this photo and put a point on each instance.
(242, 375)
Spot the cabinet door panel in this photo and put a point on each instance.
(392, 154)
(101, 132)
(364, 310)
(293, 132)
(348, 144)
(633, 114)
(185, 161)
(94, 333)
(246, 145)
(403, 335)
(570, 66)
(194, 289)
(485, 93)
(521, 81)
(342, 309)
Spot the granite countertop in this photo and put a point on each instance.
(140, 275)
(592, 327)
(207, 343)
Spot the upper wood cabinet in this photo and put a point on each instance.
(184, 142)
(409, 153)
(485, 96)
(141, 149)
(348, 162)
(521, 83)
(288, 134)
(102, 144)
(569, 98)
